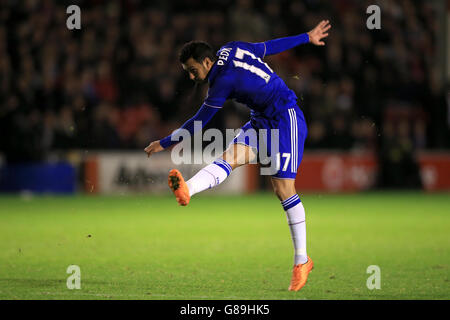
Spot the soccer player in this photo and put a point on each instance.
(237, 71)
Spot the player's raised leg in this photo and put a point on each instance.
(295, 212)
(210, 176)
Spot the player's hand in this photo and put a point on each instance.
(153, 147)
(319, 32)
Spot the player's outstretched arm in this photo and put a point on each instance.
(319, 32)
(314, 36)
(153, 147)
(204, 114)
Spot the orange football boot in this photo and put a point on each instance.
(300, 275)
(179, 187)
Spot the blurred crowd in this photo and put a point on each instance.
(117, 82)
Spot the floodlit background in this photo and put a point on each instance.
(77, 108)
(116, 84)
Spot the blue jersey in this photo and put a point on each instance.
(241, 74)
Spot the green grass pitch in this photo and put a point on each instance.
(223, 247)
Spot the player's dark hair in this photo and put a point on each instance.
(198, 50)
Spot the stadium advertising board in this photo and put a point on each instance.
(342, 171)
(133, 172)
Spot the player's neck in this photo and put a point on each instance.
(210, 69)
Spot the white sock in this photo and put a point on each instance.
(210, 176)
(295, 213)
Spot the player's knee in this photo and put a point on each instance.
(284, 194)
(237, 155)
(283, 188)
(231, 160)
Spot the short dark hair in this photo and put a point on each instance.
(198, 50)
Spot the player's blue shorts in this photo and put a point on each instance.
(285, 151)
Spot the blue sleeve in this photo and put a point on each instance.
(219, 92)
(204, 114)
(259, 49)
(279, 45)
